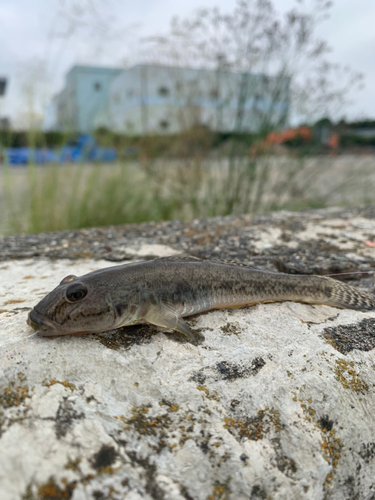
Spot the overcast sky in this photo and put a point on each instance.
(38, 43)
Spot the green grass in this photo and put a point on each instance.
(62, 197)
(57, 197)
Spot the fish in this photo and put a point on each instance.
(165, 290)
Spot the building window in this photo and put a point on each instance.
(265, 81)
(214, 94)
(258, 100)
(129, 125)
(163, 91)
(3, 84)
(97, 86)
(164, 124)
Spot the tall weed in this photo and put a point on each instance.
(57, 197)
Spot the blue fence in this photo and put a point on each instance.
(83, 149)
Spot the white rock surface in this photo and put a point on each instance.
(264, 407)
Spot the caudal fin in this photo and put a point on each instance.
(342, 295)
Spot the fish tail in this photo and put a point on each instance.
(346, 296)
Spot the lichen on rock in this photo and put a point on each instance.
(275, 401)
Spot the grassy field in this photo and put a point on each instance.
(55, 197)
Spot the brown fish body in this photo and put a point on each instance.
(163, 291)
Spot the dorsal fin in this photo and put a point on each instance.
(242, 264)
(230, 262)
(189, 258)
(179, 258)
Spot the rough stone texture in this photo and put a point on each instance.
(276, 402)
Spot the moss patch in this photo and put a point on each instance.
(65, 417)
(105, 457)
(146, 425)
(330, 445)
(254, 428)
(230, 329)
(220, 491)
(126, 337)
(53, 381)
(13, 395)
(233, 371)
(285, 465)
(208, 394)
(52, 491)
(345, 338)
(348, 377)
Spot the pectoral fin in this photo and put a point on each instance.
(165, 316)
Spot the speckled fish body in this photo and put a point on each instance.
(163, 291)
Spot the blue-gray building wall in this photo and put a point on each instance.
(160, 99)
(85, 93)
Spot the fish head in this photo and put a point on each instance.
(79, 305)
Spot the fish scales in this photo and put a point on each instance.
(163, 291)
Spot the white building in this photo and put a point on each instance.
(151, 99)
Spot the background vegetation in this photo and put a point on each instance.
(198, 173)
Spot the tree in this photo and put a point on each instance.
(255, 38)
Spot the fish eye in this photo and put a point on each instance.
(76, 292)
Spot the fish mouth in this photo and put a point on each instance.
(41, 324)
(46, 328)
